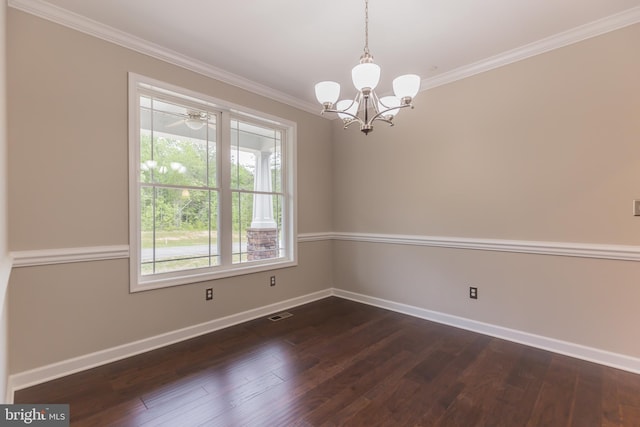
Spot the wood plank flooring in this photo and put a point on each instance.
(341, 363)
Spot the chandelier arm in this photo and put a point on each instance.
(355, 118)
(349, 123)
(375, 102)
(380, 115)
(382, 119)
(356, 99)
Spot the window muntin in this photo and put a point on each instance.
(178, 193)
(210, 199)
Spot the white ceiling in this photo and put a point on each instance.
(283, 47)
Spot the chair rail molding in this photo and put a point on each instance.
(31, 258)
(68, 255)
(582, 250)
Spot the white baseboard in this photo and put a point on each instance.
(47, 373)
(66, 367)
(602, 357)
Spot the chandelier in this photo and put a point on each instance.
(366, 76)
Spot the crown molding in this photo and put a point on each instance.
(85, 25)
(77, 22)
(574, 35)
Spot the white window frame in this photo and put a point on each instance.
(138, 85)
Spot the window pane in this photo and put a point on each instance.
(179, 159)
(255, 238)
(146, 160)
(168, 107)
(277, 214)
(214, 224)
(185, 230)
(242, 212)
(256, 169)
(177, 144)
(212, 138)
(243, 158)
(255, 157)
(146, 228)
(145, 102)
(276, 163)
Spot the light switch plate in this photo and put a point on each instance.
(636, 207)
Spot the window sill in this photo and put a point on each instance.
(194, 276)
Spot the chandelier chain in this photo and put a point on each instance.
(366, 26)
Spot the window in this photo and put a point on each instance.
(212, 188)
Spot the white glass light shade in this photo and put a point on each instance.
(389, 102)
(365, 75)
(327, 92)
(406, 86)
(178, 167)
(195, 124)
(349, 106)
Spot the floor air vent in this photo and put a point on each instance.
(280, 316)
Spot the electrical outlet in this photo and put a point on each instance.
(273, 281)
(473, 292)
(208, 294)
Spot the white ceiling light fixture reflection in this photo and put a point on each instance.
(152, 164)
(194, 123)
(194, 120)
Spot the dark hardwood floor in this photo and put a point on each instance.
(337, 362)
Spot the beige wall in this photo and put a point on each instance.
(5, 262)
(546, 149)
(68, 172)
(543, 149)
